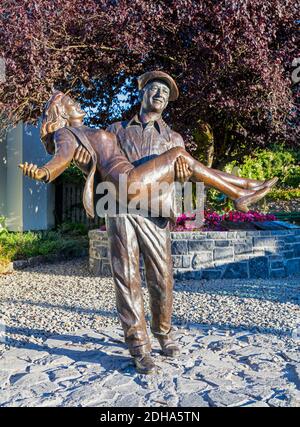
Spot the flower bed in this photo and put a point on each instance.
(227, 221)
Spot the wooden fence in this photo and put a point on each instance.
(69, 205)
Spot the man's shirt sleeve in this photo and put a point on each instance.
(113, 161)
(177, 140)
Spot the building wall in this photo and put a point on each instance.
(38, 197)
(27, 204)
(3, 173)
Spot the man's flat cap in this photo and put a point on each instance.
(159, 75)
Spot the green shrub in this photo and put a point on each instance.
(3, 228)
(74, 229)
(73, 175)
(264, 164)
(284, 194)
(14, 246)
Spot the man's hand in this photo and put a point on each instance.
(182, 170)
(33, 171)
(82, 156)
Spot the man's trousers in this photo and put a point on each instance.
(128, 236)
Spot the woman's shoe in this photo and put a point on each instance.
(268, 183)
(241, 204)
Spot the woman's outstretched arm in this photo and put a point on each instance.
(65, 147)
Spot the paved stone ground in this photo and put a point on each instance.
(217, 368)
(62, 345)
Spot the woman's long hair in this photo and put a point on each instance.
(54, 118)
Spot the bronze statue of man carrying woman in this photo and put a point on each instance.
(146, 151)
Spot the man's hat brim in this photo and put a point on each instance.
(159, 75)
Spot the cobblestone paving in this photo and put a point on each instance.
(61, 345)
(216, 368)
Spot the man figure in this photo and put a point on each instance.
(145, 136)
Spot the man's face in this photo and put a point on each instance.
(155, 96)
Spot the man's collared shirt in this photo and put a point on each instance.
(144, 141)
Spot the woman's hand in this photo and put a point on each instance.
(33, 171)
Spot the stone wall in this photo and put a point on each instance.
(214, 255)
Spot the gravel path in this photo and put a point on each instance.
(239, 338)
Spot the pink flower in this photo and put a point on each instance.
(212, 220)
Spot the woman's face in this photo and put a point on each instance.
(72, 108)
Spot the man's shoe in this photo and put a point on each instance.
(169, 347)
(144, 364)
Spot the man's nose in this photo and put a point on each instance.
(159, 91)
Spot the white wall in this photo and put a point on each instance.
(27, 204)
(3, 174)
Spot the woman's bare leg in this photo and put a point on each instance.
(162, 169)
(239, 181)
(247, 183)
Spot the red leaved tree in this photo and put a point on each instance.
(232, 60)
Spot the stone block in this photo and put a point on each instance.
(96, 266)
(241, 257)
(102, 250)
(236, 270)
(191, 274)
(241, 234)
(105, 269)
(93, 253)
(291, 239)
(296, 250)
(277, 273)
(264, 242)
(222, 243)
(217, 235)
(259, 268)
(179, 247)
(200, 259)
(293, 267)
(282, 232)
(288, 254)
(177, 261)
(242, 248)
(265, 232)
(186, 261)
(252, 233)
(277, 264)
(231, 234)
(97, 235)
(223, 253)
(200, 245)
(211, 274)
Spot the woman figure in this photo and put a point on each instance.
(65, 136)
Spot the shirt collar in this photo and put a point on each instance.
(158, 124)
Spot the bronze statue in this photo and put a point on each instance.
(146, 150)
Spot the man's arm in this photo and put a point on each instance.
(182, 171)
